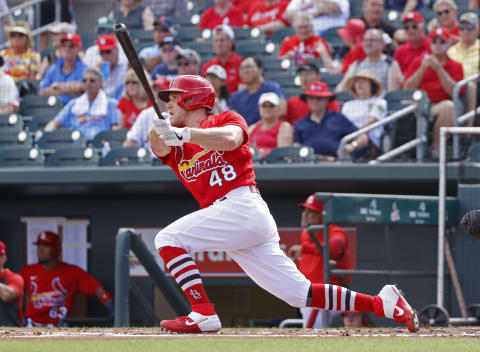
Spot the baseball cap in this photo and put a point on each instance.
(270, 97)
(225, 28)
(62, 27)
(48, 238)
(216, 70)
(168, 40)
(308, 66)
(312, 203)
(317, 89)
(440, 32)
(353, 30)
(106, 42)
(3, 248)
(189, 54)
(74, 38)
(105, 22)
(469, 17)
(414, 16)
(161, 82)
(166, 22)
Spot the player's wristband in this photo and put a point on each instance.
(105, 297)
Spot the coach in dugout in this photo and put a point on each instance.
(51, 285)
(11, 293)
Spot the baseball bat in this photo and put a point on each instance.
(123, 37)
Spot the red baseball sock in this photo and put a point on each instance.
(332, 297)
(185, 272)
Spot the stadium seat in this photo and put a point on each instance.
(356, 9)
(188, 34)
(61, 139)
(203, 48)
(73, 157)
(245, 34)
(256, 157)
(41, 108)
(292, 91)
(279, 35)
(28, 86)
(88, 39)
(332, 80)
(272, 63)
(114, 137)
(343, 97)
(13, 139)
(300, 154)
(22, 156)
(47, 51)
(473, 153)
(141, 36)
(11, 122)
(334, 41)
(127, 157)
(250, 47)
(285, 79)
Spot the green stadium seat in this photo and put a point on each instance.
(285, 79)
(21, 157)
(250, 47)
(11, 122)
(279, 35)
(473, 153)
(292, 91)
(13, 139)
(343, 97)
(73, 157)
(132, 156)
(332, 80)
(188, 34)
(203, 48)
(41, 108)
(88, 39)
(28, 86)
(61, 139)
(334, 41)
(114, 137)
(301, 154)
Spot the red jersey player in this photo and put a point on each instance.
(11, 293)
(52, 284)
(210, 155)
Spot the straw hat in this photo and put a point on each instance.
(377, 87)
(24, 28)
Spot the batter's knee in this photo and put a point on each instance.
(164, 239)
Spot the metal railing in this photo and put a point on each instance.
(458, 111)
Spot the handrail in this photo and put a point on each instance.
(465, 117)
(393, 117)
(20, 7)
(399, 150)
(458, 111)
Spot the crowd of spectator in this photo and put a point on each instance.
(378, 56)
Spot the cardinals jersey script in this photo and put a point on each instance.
(210, 174)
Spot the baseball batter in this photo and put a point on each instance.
(52, 284)
(211, 157)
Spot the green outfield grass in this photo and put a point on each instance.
(334, 344)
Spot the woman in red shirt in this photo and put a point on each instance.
(133, 101)
(270, 132)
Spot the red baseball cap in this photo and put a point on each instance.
(440, 32)
(161, 82)
(3, 248)
(353, 31)
(106, 42)
(312, 203)
(317, 89)
(74, 38)
(413, 16)
(48, 238)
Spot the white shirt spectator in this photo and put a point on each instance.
(113, 84)
(8, 91)
(139, 130)
(92, 56)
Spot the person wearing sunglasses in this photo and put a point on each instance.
(188, 62)
(447, 13)
(64, 77)
(112, 69)
(90, 113)
(436, 74)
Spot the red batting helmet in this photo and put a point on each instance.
(197, 92)
(50, 239)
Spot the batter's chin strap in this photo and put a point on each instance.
(309, 296)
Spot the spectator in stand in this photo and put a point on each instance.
(170, 8)
(137, 136)
(474, 4)
(305, 45)
(372, 17)
(404, 6)
(168, 66)
(267, 15)
(325, 14)
(270, 132)
(245, 5)
(9, 99)
(20, 60)
(64, 78)
(133, 14)
(297, 107)
(5, 22)
(11, 293)
(224, 12)
(217, 77)
(57, 32)
(133, 100)
(418, 45)
(245, 101)
(437, 75)
(90, 113)
(376, 61)
(92, 57)
(112, 69)
(188, 62)
(152, 55)
(367, 108)
(322, 129)
(224, 48)
(447, 13)
(352, 36)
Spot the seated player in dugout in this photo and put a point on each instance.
(211, 157)
(11, 293)
(51, 285)
(311, 259)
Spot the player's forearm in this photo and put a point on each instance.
(7, 293)
(217, 138)
(158, 145)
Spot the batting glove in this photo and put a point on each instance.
(161, 126)
(175, 136)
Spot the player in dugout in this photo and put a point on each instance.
(211, 157)
(51, 285)
(11, 293)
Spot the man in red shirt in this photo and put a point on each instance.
(305, 45)
(298, 108)
(311, 259)
(210, 154)
(222, 13)
(352, 36)
(11, 293)
(437, 75)
(267, 15)
(223, 46)
(51, 285)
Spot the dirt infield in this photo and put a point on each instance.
(133, 333)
